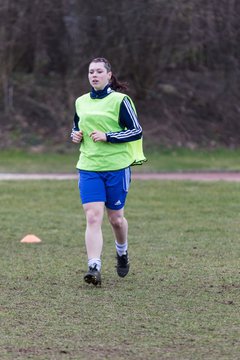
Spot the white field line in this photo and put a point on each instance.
(201, 176)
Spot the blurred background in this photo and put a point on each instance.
(181, 59)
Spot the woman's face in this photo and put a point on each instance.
(98, 75)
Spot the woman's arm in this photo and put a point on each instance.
(76, 134)
(128, 120)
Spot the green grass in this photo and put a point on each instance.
(159, 160)
(180, 300)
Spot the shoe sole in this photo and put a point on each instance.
(92, 279)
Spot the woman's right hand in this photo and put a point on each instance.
(77, 136)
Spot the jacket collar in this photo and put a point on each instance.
(100, 94)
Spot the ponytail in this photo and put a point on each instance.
(117, 85)
(114, 83)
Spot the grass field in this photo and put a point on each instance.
(180, 300)
(158, 160)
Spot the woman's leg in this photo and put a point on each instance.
(94, 212)
(119, 225)
(120, 229)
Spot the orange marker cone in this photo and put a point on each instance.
(31, 239)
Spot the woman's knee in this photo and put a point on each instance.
(94, 215)
(116, 220)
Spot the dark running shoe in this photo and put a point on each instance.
(93, 276)
(122, 265)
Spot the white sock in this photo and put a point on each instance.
(94, 262)
(121, 248)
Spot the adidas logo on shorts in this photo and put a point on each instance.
(118, 202)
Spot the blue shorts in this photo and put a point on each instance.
(110, 187)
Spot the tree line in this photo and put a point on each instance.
(180, 57)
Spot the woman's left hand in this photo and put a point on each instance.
(98, 136)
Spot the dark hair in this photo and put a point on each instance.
(115, 84)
